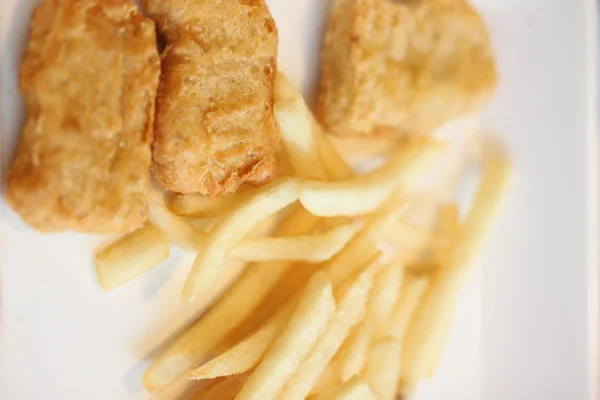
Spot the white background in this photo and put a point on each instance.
(522, 331)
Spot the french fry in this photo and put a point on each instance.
(329, 378)
(131, 256)
(246, 354)
(284, 89)
(225, 389)
(298, 137)
(333, 163)
(350, 310)
(383, 298)
(309, 320)
(308, 248)
(365, 193)
(353, 389)
(179, 232)
(200, 206)
(383, 368)
(230, 229)
(429, 325)
(197, 342)
(413, 289)
(353, 354)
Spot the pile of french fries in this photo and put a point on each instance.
(349, 299)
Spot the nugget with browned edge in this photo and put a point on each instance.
(395, 67)
(215, 127)
(89, 77)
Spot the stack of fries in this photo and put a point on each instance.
(350, 299)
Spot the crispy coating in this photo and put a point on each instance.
(215, 127)
(89, 77)
(404, 66)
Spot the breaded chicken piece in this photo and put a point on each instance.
(89, 76)
(215, 127)
(396, 67)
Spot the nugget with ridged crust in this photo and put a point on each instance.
(393, 67)
(89, 77)
(215, 127)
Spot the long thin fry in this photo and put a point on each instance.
(353, 354)
(175, 228)
(413, 289)
(309, 321)
(335, 166)
(365, 193)
(298, 137)
(430, 321)
(245, 355)
(308, 248)
(386, 289)
(350, 310)
(383, 368)
(226, 389)
(131, 256)
(353, 389)
(200, 206)
(230, 229)
(228, 312)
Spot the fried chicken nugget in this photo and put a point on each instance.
(393, 67)
(89, 77)
(215, 127)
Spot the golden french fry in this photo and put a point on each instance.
(353, 389)
(335, 166)
(179, 232)
(329, 378)
(308, 322)
(412, 291)
(350, 310)
(228, 312)
(284, 89)
(365, 193)
(383, 368)
(232, 228)
(447, 230)
(362, 247)
(353, 353)
(383, 298)
(246, 354)
(225, 389)
(131, 256)
(307, 248)
(200, 206)
(436, 350)
(429, 324)
(298, 137)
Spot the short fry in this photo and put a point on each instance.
(350, 310)
(310, 319)
(131, 256)
(383, 368)
(353, 389)
(230, 229)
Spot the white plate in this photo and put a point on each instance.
(527, 326)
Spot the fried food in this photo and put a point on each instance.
(215, 127)
(89, 76)
(397, 67)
